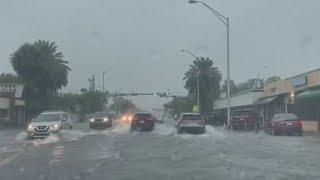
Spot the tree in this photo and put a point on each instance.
(91, 102)
(273, 79)
(43, 71)
(179, 105)
(124, 105)
(209, 82)
(233, 87)
(251, 84)
(10, 78)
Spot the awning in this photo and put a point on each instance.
(313, 93)
(19, 102)
(265, 100)
(4, 103)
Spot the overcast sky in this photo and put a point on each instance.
(140, 39)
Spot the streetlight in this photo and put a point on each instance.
(103, 73)
(198, 83)
(119, 101)
(225, 21)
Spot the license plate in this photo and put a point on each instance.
(141, 122)
(289, 123)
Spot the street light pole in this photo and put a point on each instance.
(225, 21)
(103, 73)
(198, 79)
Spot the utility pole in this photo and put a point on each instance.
(93, 83)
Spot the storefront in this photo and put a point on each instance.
(12, 105)
(298, 94)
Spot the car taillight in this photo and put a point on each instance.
(202, 122)
(182, 122)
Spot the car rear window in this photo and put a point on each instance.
(284, 117)
(191, 117)
(100, 114)
(143, 116)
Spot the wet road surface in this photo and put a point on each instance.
(84, 154)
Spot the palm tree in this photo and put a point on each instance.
(42, 69)
(209, 82)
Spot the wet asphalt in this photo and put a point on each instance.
(85, 154)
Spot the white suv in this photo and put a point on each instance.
(191, 122)
(48, 122)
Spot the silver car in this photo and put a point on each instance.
(47, 123)
(191, 122)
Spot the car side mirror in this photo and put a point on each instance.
(64, 119)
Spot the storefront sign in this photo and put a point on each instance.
(299, 81)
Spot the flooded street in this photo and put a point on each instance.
(162, 154)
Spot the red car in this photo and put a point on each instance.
(243, 120)
(287, 123)
(143, 122)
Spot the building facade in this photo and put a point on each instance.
(12, 104)
(299, 94)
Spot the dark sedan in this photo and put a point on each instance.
(143, 122)
(101, 120)
(287, 123)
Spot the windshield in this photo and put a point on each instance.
(143, 116)
(101, 114)
(284, 117)
(48, 118)
(191, 117)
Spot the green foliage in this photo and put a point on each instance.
(210, 78)
(233, 87)
(179, 105)
(91, 102)
(10, 78)
(251, 84)
(273, 79)
(43, 71)
(125, 105)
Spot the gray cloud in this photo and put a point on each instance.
(140, 39)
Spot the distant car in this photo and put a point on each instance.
(48, 122)
(286, 123)
(100, 120)
(126, 118)
(142, 122)
(243, 120)
(191, 122)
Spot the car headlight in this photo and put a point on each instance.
(105, 119)
(124, 118)
(54, 126)
(130, 118)
(91, 120)
(30, 127)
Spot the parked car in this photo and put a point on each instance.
(100, 120)
(142, 122)
(48, 122)
(243, 119)
(191, 122)
(286, 123)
